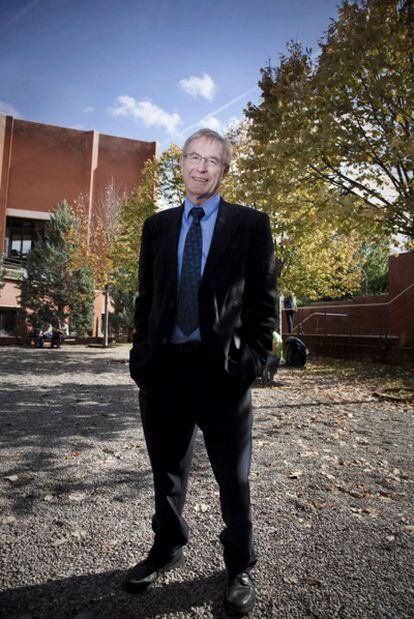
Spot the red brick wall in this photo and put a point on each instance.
(401, 309)
(45, 164)
(390, 314)
(48, 164)
(40, 165)
(122, 160)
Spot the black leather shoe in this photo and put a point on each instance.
(239, 596)
(147, 572)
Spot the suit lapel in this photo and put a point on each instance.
(171, 235)
(224, 230)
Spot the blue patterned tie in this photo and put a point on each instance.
(187, 311)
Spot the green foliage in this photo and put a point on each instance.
(123, 317)
(316, 246)
(346, 122)
(126, 246)
(52, 288)
(160, 186)
(362, 106)
(375, 266)
(328, 151)
(170, 190)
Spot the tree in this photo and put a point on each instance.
(53, 288)
(316, 246)
(346, 121)
(92, 237)
(160, 186)
(374, 258)
(363, 100)
(169, 186)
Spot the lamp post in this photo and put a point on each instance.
(106, 320)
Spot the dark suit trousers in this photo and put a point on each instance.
(183, 392)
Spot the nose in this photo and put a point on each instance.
(202, 164)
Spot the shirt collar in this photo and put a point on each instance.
(210, 206)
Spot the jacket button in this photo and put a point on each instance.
(171, 305)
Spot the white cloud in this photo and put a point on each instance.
(195, 86)
(8, 109)
(148, 112)
(212, 122)
(88, 109)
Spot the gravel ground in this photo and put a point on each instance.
(332, 485)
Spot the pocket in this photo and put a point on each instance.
(241, 366)
(138, 366)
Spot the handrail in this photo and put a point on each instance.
(320, 314)
(349, 305)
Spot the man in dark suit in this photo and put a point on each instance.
(203, 329)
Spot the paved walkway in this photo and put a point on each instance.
(332, 486)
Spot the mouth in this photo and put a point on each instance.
(198, 179)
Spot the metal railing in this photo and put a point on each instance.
(326, 321)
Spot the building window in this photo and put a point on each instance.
(7, 322)
(21, 235)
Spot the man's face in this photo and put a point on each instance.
(202, 179)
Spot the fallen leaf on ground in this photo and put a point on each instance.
(295, 474)
(371, 511)
(12, 478)
(59, 541)
(79, 533)
(73, 454)
(290, 580)
(311, 580)
(112, 542)
(76, 496)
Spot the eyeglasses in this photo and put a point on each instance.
(212, 162)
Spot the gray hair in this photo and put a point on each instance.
(211, 135)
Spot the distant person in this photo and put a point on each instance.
(296, 352)
(273, 360)
(45, 335)
(33, 334)
(290, 307)
(57, 337)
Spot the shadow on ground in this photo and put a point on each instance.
(103, 596)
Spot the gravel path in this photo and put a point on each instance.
(332, 485)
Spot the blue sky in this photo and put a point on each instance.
(145, 69)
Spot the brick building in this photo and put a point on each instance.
(41, 165)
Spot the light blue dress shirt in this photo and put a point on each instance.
(208, 222)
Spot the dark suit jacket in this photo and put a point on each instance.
(236, 294)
